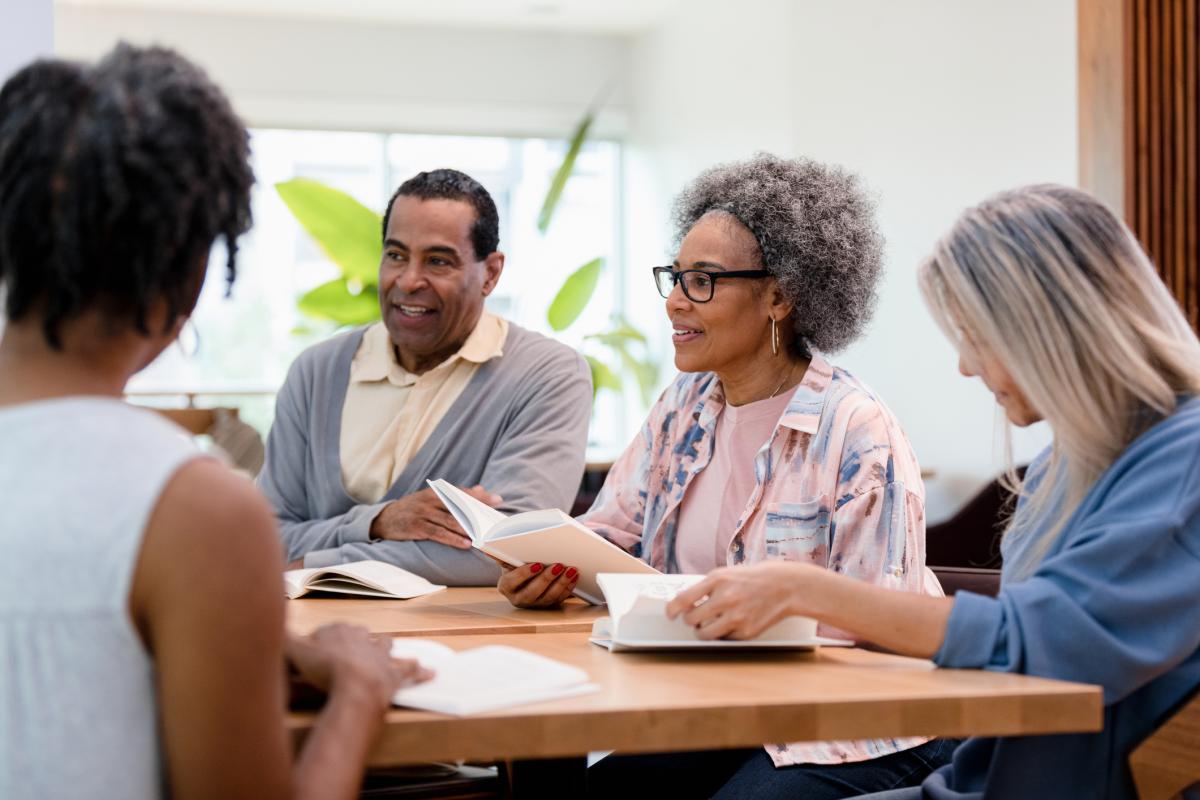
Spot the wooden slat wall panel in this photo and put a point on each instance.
(1191, 148)
(1162, 203)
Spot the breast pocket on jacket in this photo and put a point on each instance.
(798, 531)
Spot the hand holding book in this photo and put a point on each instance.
(742, 602)
(645, 614)
(548, 537)
(538, 585)
(422, 515)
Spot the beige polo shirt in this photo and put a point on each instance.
(389, 412)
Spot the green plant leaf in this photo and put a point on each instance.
(618, 336)
(346, 230)
(335, 301)
(602, 376)
(624, 327)
(574, 295)
(644, 371)
(559, 182)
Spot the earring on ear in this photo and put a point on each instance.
(774, 338)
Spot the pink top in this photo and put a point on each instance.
(709, 511)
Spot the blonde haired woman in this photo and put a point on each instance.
(1051, 302)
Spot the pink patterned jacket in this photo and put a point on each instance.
(837, 485)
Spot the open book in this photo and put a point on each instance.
(484, 678)
(637, 620)
(363, 578)
(549, 537)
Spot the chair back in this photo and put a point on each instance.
(196, 421)
(978, 581)
(241, 443)
(964, 551)
(1168, 761)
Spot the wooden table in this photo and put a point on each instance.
(652, 702)
(453, 611)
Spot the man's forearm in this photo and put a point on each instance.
(301, 537)
(435, 562)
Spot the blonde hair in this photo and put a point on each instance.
(1047, 280)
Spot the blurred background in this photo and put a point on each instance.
(935, 103)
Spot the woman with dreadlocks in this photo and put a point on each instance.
(141, 617)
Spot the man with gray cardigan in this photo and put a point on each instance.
(439, 389)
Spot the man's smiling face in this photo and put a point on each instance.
(432, 283)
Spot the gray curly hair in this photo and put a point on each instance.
(815, 227)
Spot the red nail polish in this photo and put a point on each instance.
(556, 569)
(571, 572)
(535, 569)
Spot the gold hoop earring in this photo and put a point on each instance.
(774, 339)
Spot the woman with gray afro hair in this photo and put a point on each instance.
(762, 452)
(816, 232)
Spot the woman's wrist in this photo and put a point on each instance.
(358, 689)
(810, 589)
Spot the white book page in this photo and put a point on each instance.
(475, 516)
(527, 522)
(637, 605)
(363, 578)
(430, 653)
(294, 581)
(388, 578)
(490, 677)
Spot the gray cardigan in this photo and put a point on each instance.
(519, 428)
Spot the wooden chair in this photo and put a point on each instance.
(239, 441)
(964, 551)
(1168, 761)
(196, 421)
(978, 581)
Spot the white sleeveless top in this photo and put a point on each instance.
(79, 478)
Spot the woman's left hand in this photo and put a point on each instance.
(742, 602)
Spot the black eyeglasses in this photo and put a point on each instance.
(698, 284)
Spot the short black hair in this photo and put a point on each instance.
(115, 181)
(450, 184)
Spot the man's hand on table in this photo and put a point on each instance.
(421, 515)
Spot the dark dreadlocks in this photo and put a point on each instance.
(115, 181)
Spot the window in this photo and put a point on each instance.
(238, 349)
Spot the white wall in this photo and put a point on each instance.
(27, 33)
(935, 103)
(306, 73)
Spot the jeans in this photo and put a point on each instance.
(908, 793)
(728, 774)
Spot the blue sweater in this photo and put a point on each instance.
(1115, 602)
